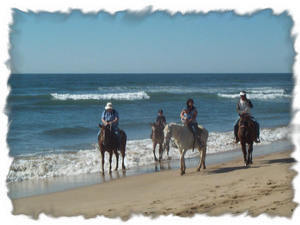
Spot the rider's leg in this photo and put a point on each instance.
(256, 129)
(196, 133)
(192, 129)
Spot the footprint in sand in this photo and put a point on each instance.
(156, 202)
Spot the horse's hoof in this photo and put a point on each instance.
(198, 169)
(204, 167)
(182, 173)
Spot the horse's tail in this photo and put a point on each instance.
(123, 139)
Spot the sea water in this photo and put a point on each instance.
(53, 118)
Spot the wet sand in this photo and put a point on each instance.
(229, 187)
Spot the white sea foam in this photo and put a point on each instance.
(264, 93)
(138, 153)
(109, 96)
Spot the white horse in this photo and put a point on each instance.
(184, 140)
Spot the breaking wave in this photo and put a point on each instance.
(260, 93)
(109, 96)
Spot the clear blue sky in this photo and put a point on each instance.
(151, 43)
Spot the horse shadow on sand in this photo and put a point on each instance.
(284, 160)
(262, 164)
(230, 169)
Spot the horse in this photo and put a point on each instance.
(157, 137)
(247, 135)
(184, 140)
(108, 142)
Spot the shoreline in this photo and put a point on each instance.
(265, 187)
(28, 188)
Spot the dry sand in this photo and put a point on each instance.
(224, 188)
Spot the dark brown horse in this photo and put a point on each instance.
(247, 135)
(157, 137)
(108, 142)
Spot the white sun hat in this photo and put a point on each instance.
(242, 93)
(108, 106)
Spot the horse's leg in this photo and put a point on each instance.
(102, 158)
(123, 151)
(182, 162)
(160, 151)
(250, 150)
(184, 151)
(204, 157)
(110, 159)
(117, 159)
(123, 158)
(154, 147)
(243, 144)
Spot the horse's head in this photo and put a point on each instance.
(244, 120)
(157, 130)
(168, 135)
(106, 133)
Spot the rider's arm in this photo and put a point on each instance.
(103, 121)
(116, 117)
(102, 118)
(194, 116)
(182, 114)
(250, 103)
(238, 109)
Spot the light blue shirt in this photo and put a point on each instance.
(110, 116)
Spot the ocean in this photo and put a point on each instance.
(53, 118)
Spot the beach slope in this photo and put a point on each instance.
(266, 187)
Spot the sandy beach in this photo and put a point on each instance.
(223, 188)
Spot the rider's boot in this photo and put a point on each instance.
(237, 139)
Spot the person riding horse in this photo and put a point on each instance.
(243, 107)
(160, 121)
(110, 116)
(188, 117)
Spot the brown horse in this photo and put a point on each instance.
(108, 142)
(157, 137)
(247, 135)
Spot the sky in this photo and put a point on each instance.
(218, 42)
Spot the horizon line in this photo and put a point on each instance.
(142, 73)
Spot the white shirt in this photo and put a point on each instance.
(244, 107)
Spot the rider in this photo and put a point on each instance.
(188, 117)
(160, 120)
(243, 106)
(110, 116)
